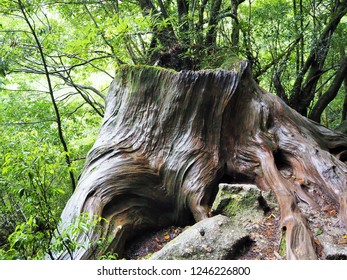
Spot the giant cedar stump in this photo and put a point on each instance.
(168, 138)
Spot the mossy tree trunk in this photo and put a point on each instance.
(169, 138)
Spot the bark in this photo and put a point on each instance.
(211, 35)
(183, 13)
(169, 138)
(235, 34)
(304, 91)
(331, 93)
(200, 24)
(344, 106)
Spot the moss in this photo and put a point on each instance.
(233, 207)
(238, 203)
(225, 58)
(283, 247)
(135, 76)
(231, 63)
(235, 201)
(125, 69)
(148, 256)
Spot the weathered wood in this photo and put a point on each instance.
(169, 138)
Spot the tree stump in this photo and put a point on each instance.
(169, 138)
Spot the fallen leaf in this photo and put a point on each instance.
(342, 242)
(332, 213)
(271, 216)
(166, 237)
(344, 237)
(328, 208)
(300, 180)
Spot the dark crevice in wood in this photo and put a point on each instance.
(282, 164)
(342, 156)
(239, 248)
(338, 149)
(340, 152)
(236, 178)
(264, 205)
(305, 188)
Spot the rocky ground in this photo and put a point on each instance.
(266, 236)
(263, 234)
(266, 233)
(150, 242)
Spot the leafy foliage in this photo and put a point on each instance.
(33, 187)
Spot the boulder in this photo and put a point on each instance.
(215, 238)
(235, 200)
(238, 210)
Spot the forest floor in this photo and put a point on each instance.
(150, 242)
(265, 234)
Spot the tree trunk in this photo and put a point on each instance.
(211, 35)
(304, 91)
(169, 138)
(344, 106)
(331, 92)
(235, 34)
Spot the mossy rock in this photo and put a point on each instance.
(234, 200)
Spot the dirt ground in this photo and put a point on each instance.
(266, 237)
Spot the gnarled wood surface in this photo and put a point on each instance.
(168, 138)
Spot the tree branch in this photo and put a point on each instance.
(331, 93)
(56, 109)
(302, 95)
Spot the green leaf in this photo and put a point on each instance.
(21, 192)
(319, 232)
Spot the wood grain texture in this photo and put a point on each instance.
(169, 138)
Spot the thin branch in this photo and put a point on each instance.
(331, 93)
(275, 60)
(48, 78)
(26, 123)
(69, 81)
(57, 73)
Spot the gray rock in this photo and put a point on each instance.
(327, 230)
(331, 248)
(221, 237)
(215, 238)
(239, 201)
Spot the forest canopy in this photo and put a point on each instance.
(57, 59)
